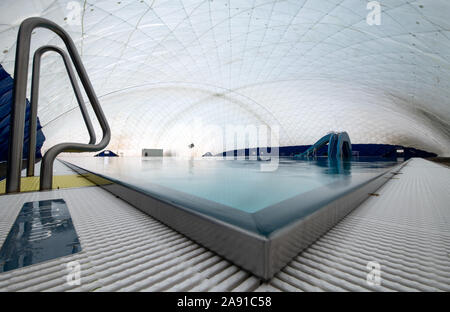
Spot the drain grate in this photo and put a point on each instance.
(42, 231)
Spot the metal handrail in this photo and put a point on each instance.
(35, 98)
(18, 108)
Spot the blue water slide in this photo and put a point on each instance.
(316, 146)
(344, 146)
(339, 146)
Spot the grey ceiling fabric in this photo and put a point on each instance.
(170, 73)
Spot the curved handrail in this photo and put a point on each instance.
(18, 108)
(35, 98)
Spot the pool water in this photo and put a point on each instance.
(223, 188)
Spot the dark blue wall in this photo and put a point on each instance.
(365, 150)
(6, 94)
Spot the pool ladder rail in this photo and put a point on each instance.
(13, 174)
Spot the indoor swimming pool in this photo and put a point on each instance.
(237, 191)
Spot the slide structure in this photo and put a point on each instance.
(339, 146)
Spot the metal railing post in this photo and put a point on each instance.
(19, 104)
(35, 98)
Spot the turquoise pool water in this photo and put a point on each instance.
(239, 184)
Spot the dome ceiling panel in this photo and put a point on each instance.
(308, 66)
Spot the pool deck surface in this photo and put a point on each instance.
(404, 227)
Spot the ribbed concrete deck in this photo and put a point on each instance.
(406, 229)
